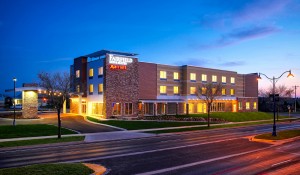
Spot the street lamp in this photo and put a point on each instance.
(14, 122)
(274, 81)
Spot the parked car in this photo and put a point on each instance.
(18, 106)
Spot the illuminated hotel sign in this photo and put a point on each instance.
(119, 60)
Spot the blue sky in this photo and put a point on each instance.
(243, 36)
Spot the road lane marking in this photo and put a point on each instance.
(281, 163)
(200, 162)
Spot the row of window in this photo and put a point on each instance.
(247, 105)
(163, 90)
(163, 75)
(100, 88)
(91, 72)
(128, 109)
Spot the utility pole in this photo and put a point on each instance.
(295, 97)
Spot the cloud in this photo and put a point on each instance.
(250, 13)
(56, 60)
(232, 63)
(239, 35)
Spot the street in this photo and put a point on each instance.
(219, 151)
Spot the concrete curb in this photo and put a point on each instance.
(85, 118)
(274, 142)
(98, 169)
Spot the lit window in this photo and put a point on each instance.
(240, 106)
(163, 75)
(203, 90)
(192, 90)
(128, 108)
(223, 91)
(116, 109)
(78, 88)
(232, 92)
(223, 79)
(214, 78)
(77, 73)
(176, 76)
(232, 80)
(247, 105)
(91, 72)
(176, 90)
(91, 88)
(254, 105)
(204, 77)
(100, 71)
(214, 90)
(163, 89)
(193, 76)
(100, 88)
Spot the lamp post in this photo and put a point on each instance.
(296, 98)
(274, 81)
(14, 122)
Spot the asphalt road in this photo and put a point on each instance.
(221, 151)
(69, 121)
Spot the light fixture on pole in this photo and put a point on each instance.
(274, 81)
(14, 122)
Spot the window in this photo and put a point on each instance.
(214, 78)
(128, 108)
(116, 108)
(78, 88)
(232, 80)
(204, 77)
(91, 72)
(163, 89)
(223, 79)
(232, 92)
(217, 107)
(77, 73)
(192, 90)
(100, 88)
(254, 105)
(203, 90)
(100, 71)
(223, 91)
(176, 76)
(247, 105)
(192, 76)
(163, 75)
(214, 90)
(97, 108)
(176, 90)
(240, 106)
(91, 88)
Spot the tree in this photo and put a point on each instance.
(282, 90)
(208, 92)
(58, 88)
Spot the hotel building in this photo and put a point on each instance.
(110, 84)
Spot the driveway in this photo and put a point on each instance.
(70, 121)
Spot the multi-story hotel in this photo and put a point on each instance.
(115, 84)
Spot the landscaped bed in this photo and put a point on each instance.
(46, 169)
(280, 135)
(9, 131)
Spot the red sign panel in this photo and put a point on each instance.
(117, 67)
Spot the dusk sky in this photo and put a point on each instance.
(242, 36)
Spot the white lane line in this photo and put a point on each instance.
(150, 151)
(199, 163)
(281, 162)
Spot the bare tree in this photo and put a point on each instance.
(282, 90)
(208, 92)
(58, 88)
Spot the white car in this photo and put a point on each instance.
(18, 106)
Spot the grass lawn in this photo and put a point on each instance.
(133, 125)
(46, 169)
(40, 141)
(9, 131)
(280, 135)
(238, 116)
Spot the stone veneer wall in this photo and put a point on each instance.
(30, 104)
(121, 86)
